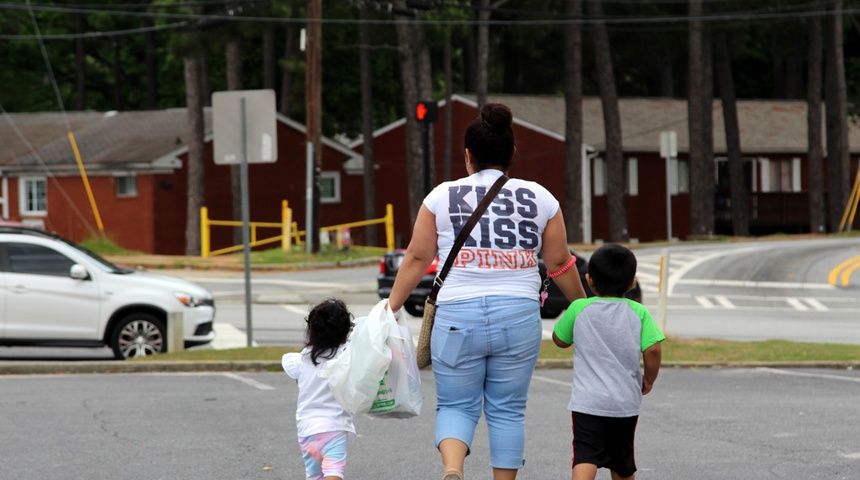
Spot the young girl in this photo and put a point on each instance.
(324, 426)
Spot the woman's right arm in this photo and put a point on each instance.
(556, 255)
(419, 254)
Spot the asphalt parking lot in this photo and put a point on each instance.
(713, 423)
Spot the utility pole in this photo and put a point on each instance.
(313, 121)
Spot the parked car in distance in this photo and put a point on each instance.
(56, 293)
(554, 305)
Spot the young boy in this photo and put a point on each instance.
(608, 333)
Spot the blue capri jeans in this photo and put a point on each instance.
(484, 351)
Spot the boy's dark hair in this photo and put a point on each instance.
(329, 324)
(612, 269)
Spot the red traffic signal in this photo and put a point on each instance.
(426, 112)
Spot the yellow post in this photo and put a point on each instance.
(87, 184)
(851, 206)
(204, 232)
(389, 226)
(285, 226)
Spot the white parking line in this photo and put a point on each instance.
(825, 376)
(551, 380)
(248, 381)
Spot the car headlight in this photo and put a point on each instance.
(190, 300)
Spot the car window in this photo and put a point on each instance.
(37, 260)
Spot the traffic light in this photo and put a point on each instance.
(426, 112)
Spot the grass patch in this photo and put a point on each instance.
(674, 350)
(106, 246)
(718, 351)
(327, 254)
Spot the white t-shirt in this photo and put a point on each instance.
(317, 410)
(500, 257)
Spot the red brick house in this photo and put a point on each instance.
(136, 166)
(773, 141)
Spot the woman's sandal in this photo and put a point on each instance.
(452, 476)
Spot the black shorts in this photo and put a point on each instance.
(604, 441)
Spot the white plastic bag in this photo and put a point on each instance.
(399, 394)
(354, 376)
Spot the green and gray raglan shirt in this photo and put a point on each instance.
(608, 336)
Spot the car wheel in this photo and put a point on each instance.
(549, 312)
(414, 309)
(138, 335)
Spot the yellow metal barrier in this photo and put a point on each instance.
(289, 231)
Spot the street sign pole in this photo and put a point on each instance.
(245, 131)
(246, 229)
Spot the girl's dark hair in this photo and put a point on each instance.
(612, 268)
(329, 324)
(490, 137)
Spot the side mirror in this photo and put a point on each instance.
(78, 272)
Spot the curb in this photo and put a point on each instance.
(103, 367)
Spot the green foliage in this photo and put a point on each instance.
(722, 351)
(327, 254)
(692, 351)
(104, 246)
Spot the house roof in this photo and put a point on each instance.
(766, 126)
(134, 140)
(128, 140)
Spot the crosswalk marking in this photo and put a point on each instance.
(815, 304)
(724, 301)
(796, 303)
(703, 301)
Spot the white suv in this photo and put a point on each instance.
(54, 292)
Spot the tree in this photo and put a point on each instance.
(817, 217)
(573, 123)
(835, 97)
(737, 185)
(196, 176)
(367, 123)
(483, 48)
(701, 166)
(411, 41)
(611, 126)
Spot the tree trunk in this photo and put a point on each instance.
(737, 184)
(313, 110)
(414, 150)
(117, 74)
(612, 128)
(449, 114)
(837, 119)
(370, 210)
(287, 73)
(80, 63)
(195, 191)
(483, 51)
(573, 124)
(151, 67)
(234, 82)
(269, 57)
(817, 216)
(701, 167)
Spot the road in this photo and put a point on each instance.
(697, 423)
(735, 291)
(754, 290)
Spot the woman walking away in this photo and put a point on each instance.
(487, 332)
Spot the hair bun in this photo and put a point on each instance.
(497, 116)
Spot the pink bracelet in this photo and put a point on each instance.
(562, 269)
